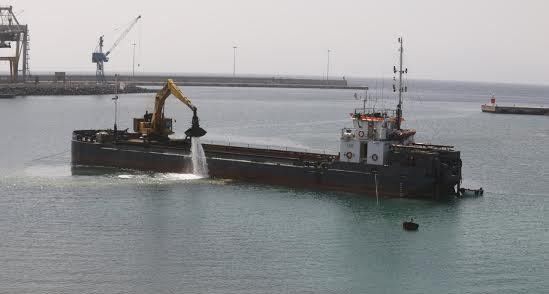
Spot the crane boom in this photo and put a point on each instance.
(123, 35)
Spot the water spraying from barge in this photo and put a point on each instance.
(200, 166)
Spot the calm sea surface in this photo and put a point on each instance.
(119, 231)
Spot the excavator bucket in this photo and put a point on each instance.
(195, 130)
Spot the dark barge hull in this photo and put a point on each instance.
(294, 169)
(131, 156)
(390, 183)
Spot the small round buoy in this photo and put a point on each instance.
(410, 225)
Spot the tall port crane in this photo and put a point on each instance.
(99, 57)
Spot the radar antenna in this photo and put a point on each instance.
(401, 88)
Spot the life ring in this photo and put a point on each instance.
(349, 155)
(374, 157)
(361, 134)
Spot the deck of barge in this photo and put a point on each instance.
(274, 155)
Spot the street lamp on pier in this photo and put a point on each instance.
(234, 61)
(328, 66)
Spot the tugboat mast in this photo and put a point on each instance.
(400, 88)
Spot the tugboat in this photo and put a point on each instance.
(377, 157)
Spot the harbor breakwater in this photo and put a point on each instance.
(78, 84)
(66, 89)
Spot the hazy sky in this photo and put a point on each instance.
(476, 40)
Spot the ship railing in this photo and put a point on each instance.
(433, 146)
(423, 146)
(269, 147)
(381, 112)
(84, 135)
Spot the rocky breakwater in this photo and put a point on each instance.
(49, 89)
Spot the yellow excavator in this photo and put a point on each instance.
(154, 126)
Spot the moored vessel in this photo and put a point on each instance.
(376, 157)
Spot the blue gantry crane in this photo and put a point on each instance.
(99, 57)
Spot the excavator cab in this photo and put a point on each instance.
(144, 127)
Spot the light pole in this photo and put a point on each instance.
(115, 99)
(133, 62)
(328, 66)
(234, 61)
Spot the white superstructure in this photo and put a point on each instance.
(372, 134)
(375, 130)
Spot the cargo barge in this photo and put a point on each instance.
(367, 166)
(376, 156)
(494, 108)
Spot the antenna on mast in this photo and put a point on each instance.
(401, 88)
(364, 99)
(115, 99)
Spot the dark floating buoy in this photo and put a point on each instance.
(410, 225)
(463, 192)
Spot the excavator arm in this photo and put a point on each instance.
(156, 125)
(170, 88)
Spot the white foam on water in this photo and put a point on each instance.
(200, 166)
(125, 176)
(178, 177)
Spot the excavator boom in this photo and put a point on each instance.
(157, 126)
(170, 88)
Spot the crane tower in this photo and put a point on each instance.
(99, 57)
(12, 31)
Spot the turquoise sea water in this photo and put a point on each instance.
(120, 231)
